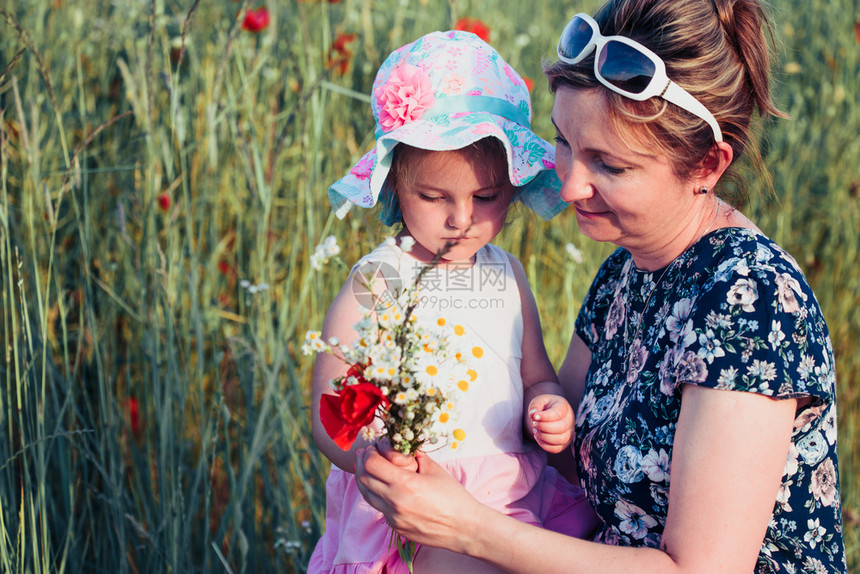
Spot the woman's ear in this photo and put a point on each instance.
(716, 162)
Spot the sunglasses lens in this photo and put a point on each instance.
(625, 67)
(576, 36)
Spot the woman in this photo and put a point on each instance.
(700, 353)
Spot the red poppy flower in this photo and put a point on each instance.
(134, 416)
(256, 20)
(344, 414)
(475, 26)
(530, 84)
(357, 371)
(339, 56)
(857, 31)
(164, 201)
(224, 267)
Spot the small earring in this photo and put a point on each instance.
(703, 190)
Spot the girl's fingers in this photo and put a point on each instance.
(551, 427)
(552, 414)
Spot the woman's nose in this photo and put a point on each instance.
(575, 182)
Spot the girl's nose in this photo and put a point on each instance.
(460, 215)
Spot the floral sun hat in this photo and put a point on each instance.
(445, 91)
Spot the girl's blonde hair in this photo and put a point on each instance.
(715, 49)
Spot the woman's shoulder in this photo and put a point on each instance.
(729, 253)
(745, 311)
(731, 245)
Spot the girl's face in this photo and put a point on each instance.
(623, 196)
(453, 197)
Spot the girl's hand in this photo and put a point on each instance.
(550, 419)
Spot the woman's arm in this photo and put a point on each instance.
(548, 416)
(729, 456)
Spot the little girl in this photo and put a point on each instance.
(454, 149)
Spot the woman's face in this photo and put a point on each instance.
(452, 197)
(623, 196)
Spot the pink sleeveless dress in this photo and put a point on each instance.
(493, 462)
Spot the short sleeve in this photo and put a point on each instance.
(757, 327)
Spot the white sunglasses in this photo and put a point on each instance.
(627, 67)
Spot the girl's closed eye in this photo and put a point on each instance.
(559, 140)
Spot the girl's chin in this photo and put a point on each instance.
(462, 251)
(459, 254)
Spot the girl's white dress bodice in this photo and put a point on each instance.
(484, 299)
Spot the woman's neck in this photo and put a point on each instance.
(711, 216)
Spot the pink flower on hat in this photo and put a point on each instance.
(404, 97)
(364, 168)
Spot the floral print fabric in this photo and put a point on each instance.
(733, 312)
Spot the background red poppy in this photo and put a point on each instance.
(474, 25)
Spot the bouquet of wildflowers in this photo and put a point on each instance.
(402, 372)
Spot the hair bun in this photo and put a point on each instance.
(745, 25)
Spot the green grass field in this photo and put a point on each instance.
(163, 178)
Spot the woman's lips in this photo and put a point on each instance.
(589, 214)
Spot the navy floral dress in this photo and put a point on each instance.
(732, 312)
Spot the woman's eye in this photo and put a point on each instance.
(612, 170)
(608, 168)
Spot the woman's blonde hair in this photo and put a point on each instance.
(715, 49)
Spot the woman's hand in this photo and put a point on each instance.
(404, 461)
(550, 420)
(428, 507)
